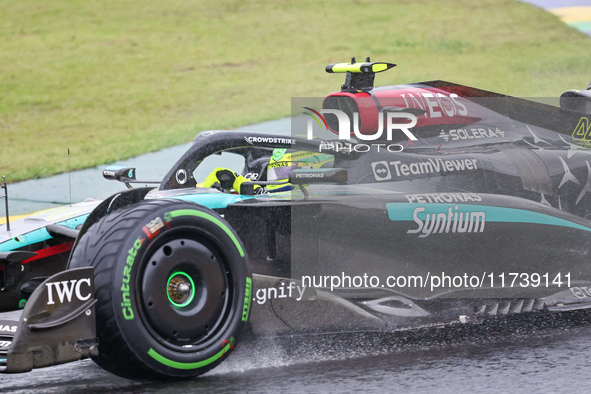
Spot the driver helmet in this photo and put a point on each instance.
(282, 162)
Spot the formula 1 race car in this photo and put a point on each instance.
(438, 204)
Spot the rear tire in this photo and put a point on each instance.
(173, 286)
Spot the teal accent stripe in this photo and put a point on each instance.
(192, 212)
(179, 365)
(74, 222)
(25, 240)
(404, 212)
(39, 235)
(213, 200)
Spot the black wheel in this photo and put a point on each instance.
(173, 286)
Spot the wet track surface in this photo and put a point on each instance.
(515, 356)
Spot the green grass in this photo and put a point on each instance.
(114, 79)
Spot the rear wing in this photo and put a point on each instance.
(360, 76)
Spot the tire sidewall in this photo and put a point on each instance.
(126, 291)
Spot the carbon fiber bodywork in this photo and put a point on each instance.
(486, 213)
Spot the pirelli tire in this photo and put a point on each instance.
(173, 286)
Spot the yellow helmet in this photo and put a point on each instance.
(282, 162)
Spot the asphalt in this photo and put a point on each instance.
(60, 190)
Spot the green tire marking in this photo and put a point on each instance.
(178, 365)
(176, 305)
(247, 298)
(190, 212)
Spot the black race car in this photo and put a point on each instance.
(438, 204)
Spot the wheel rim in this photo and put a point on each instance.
(186, 291)
(180, 289)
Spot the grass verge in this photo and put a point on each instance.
(113, 79)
